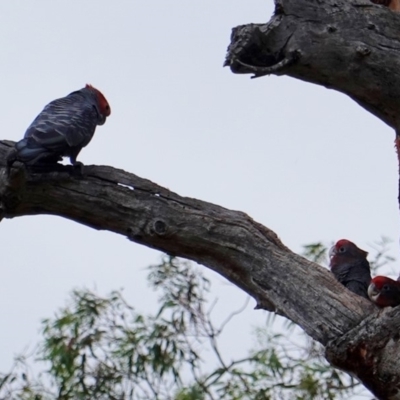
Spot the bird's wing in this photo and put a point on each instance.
(357, 287)
(63, 123)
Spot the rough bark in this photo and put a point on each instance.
(351, 46)
(231, 243)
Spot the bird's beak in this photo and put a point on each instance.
(373, 292)
(332, 251)
(102, 119)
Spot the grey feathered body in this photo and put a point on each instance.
(62, 129)
(354, 274)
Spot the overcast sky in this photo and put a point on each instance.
(305, 161)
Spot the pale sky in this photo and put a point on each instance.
(305, 161)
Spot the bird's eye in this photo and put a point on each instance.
(342, 249)
(385, 288)
(107, 110)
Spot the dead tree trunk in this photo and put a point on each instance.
(352, 46)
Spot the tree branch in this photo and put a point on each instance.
(248, 254)
(229, 242)
(352, 46)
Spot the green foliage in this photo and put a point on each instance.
(316, 252)
(102, 348)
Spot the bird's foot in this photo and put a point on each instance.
(78, 168)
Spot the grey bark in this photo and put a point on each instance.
(231, 243)
(352, 46)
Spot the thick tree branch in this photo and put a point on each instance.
(352, 46)
(231, 243)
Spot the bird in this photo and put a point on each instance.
(62, 129)
(350, 267)
(384, 291)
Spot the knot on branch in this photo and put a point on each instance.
(274, 69)
(160, 227)
(363, 50)
(248, 52)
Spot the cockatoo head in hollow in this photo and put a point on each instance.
(384, 292)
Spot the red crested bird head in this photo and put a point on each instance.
(384, 292)
(344, 249)
(104, 107)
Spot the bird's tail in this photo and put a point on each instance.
(30, 152)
